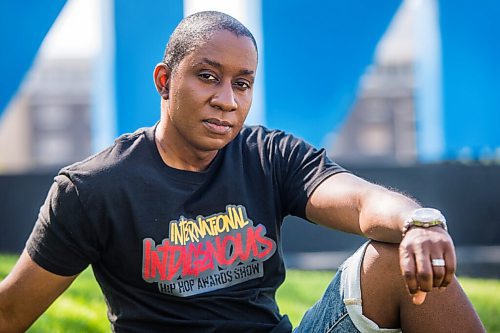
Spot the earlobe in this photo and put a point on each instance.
(161, 78)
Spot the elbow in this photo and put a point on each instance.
(370, 231)
(380, 233)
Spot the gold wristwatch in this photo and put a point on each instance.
(425, 218)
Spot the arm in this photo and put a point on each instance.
(27, 292)
(351, 204)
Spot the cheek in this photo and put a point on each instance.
(245, 105)
(181, 100)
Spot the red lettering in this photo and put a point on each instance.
(267, 242)
(146, 259)
(173, 265)
(251, 246)
(167, 261)
(187, 267)
(238, 246)
(158, 265)
(224, 248)
(203, 258)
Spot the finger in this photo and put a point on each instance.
(424, 271)
(408, 268)
(419, 297)
(450, 268)
(438, 272)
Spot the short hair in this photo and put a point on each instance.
(196, 29)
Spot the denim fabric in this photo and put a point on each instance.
(329, 314)
(340, 309)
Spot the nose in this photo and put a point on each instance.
(224, 98)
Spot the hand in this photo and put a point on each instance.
(416, 251)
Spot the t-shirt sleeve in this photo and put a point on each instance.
(302, 168)
(63, 240)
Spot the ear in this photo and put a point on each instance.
(161, 77)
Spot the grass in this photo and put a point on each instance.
(81, 308)
(485, 296)
(295, 296)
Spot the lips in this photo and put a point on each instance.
(217, 126)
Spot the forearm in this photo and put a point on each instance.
(382, 213)
(348, 203)
(26, 293)
(3, 323)
(7, 326)
(7, 317)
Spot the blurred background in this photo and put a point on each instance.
(403, 93)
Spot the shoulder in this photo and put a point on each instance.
(275, 142)
(267, 138)
(260, 132)
(112, 161)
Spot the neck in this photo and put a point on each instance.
(177, 156)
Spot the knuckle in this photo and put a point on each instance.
(438, 275)
(408, 275)
(426, 288)
(424, 276)
(403, 249)
(448, 278)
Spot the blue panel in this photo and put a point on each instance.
(314, 56)
(142, 31)
(427, 81)
(470, 33)
(23, 26)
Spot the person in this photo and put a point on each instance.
(181, 221)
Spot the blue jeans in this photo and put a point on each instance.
(340, 310)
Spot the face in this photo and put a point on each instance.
(209, 94)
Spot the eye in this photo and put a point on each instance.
(242, 85)
(207, 77)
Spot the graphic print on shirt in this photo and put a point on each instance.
(207, 253)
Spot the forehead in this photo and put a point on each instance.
(226, 49)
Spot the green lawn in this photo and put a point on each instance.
(81, 308)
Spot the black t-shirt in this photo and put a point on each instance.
(175, 250)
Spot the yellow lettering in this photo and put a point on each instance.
(184, 230)
(230, 219)
(213, 229)
(239, 217)
(220, 224)
(194, 231)
(203, 227)
(175, 235)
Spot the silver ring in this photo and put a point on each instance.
(438, 262)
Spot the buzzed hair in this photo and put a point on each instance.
(196, 29)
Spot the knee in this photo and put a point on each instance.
(382, 284)
(381, 257)
(381, 266)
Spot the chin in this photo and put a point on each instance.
(217, 145)
(218, 142)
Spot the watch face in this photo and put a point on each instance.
(427, 215)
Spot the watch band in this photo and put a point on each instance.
(431, 218)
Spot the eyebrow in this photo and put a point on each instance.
(219, 66)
